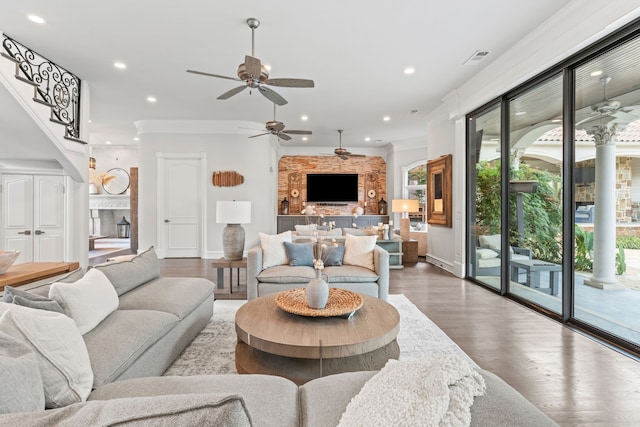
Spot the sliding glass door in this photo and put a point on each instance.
(535, 194)
(553, 179)
(607, 192)
(484, 214)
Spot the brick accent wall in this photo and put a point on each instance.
(302, 165)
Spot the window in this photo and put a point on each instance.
(415, 187)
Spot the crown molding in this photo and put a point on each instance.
(239, 127)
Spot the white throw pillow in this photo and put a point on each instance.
(492, 242)
(307, 227)
(273, 252)
(358, 250)
(88, 300)
(483, 253)
(61, 353)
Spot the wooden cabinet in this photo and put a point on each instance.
(394, 247)
(289, 222)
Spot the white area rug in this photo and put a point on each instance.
(213, 350)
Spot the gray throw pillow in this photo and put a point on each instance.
(27, 299)
(332, 255)
(127, 275)
(299, 254)
(20, 381)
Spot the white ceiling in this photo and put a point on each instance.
(355, 51)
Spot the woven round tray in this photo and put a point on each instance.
(340, 302)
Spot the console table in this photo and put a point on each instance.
(21, 274)
(289, 222)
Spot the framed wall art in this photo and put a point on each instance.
(439, 198)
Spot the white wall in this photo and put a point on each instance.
(108, 157)
(575, 27)
(255, 159)
(405, 153)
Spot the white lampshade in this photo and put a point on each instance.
(404, 205)
(233, 212)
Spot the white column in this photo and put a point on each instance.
(604, 224)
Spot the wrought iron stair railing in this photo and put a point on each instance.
(53, 86)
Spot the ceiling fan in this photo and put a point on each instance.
(256, 76)
(609, 110)
(276, 128)
(342, 152)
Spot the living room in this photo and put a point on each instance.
(221, 145)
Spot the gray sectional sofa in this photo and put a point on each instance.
(258, 400)
(157, 317)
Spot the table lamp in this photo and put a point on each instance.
(233, 214)
(404, 206)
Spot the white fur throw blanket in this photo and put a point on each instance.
(434, 391)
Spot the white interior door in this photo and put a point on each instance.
(17, 215)
(48, 218)
(33, 217)
(180, 206)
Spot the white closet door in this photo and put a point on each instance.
(48, 218)
(33, 217)
(17, 215)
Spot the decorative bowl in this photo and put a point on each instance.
(7, 258)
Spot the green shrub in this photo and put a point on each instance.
(628, 242)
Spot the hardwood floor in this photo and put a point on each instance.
(572, 378)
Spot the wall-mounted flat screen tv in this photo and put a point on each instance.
(332, 187)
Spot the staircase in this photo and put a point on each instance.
(53, 86)
(50, 95)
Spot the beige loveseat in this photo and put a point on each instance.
(263, 280)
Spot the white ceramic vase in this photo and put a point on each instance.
(317, 292)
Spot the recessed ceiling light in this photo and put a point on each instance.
(304, 138)
(151, 99)
(304, 118)
(367, 139)
(409, 70)
(36, 19)
(521, 113)
(107, 142)
(120, 65)
(596, 73)
(386, 118)
(90, 121)
(556, 120)
(136, 139)
(267, 66)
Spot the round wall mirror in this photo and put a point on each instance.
(119, 184)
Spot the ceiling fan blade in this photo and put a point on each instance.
(260, 134)
(283, 136)
(272, 95)
(298, 132)
(232, 92)
(214, 75)
(290, 82)
(357, 155)
(253, 67)
(343, 157)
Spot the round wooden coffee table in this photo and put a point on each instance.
(274, 342)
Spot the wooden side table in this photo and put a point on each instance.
(21, 274)
(409, 251)
(220, 264)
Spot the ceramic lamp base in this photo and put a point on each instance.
(233, 242)
(405, 228)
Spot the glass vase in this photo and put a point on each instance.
(317, 292)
